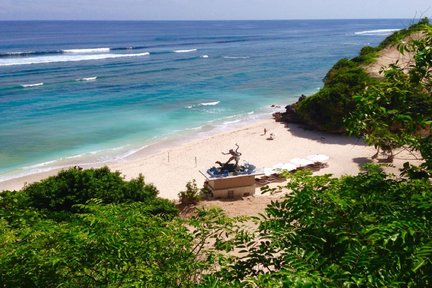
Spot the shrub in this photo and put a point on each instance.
(113, 245)
(191, 195)
(368, 230)
(77, 186)
(326, 109)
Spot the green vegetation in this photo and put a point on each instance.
(398, 111)
(369, 230)
(77, 186)
(363, 231)
(102, 246)
(327, 109)
(191, 195)
(92, 228)
(399, 36)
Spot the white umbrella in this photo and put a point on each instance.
(289, 166)
(268, 171)
(301, 162)
(278, 166)
(318, 157)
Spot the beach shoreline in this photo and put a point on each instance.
(169, 166)
(129, 148)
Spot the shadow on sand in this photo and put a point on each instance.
(327, 138)
(362, 160)
(322, 137)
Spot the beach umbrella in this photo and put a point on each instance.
(289, 166)
(301, 162)
(318, 157)
(278, 166)
(268, 171)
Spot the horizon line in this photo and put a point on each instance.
(189, 20)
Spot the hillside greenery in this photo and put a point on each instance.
(327, 109)
(398, 110)
(93, 228)
(369, 230)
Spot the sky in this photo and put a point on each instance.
(211, 9)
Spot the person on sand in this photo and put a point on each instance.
(265, 131)
(272, 136)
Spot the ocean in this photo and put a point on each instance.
(91, 92)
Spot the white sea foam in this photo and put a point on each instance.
(203, 104)
(32, 85)
(232, 122)
(236, 57)
(17, 53)
(43, 164)
(185, 51)
(209, 103)
(87, 79)
(87, 50)
(64, 58)
(23, 174)
(377, 32)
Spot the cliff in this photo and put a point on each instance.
(326, 109)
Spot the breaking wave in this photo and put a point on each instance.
(377, 32)
(236, 57)
(65, 58)
(87, 79)
(214, 103)
(185, 51)
(209, 103)
(87, 50)
(32, 85)
(68, 51)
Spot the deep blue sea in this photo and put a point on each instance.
(84, 91)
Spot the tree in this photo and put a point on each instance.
(77, 186)
(369, 230)
(357, 231)
(113, 245)
(398, 111)
(94, 229)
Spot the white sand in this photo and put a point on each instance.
(170, 177)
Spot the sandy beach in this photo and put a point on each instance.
(172, 166)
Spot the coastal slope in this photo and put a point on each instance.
(327, 109)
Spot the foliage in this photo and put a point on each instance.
(399, 36)
(91, 228)
(369, 230)
(77, 186)
(127, 243)
(191, 195)
(106, 245)
(368, 55)
(326, 109)
(359, 231)
(398, 110)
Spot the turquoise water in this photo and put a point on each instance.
(92, 92)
